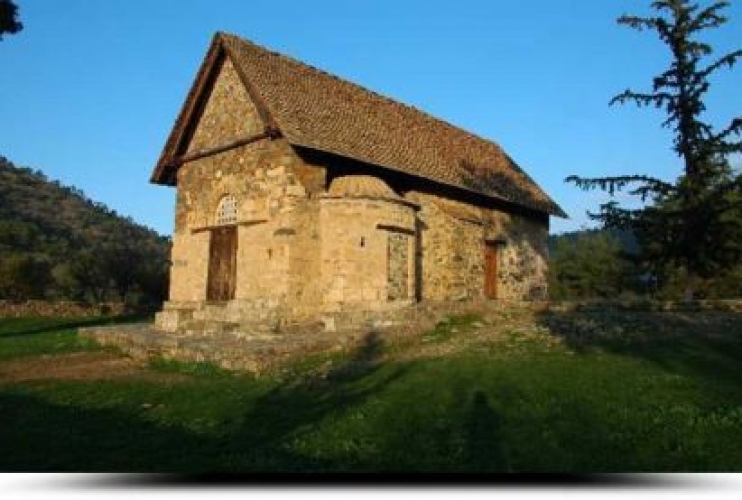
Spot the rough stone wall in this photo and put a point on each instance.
(355, 251)
(61, 309)
(523, 260)
(266, 179)
(190, 261)
(451, 260)
(271, 201)
(398, 268)
(305, 248)
(229, 112)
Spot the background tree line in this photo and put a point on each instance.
(609, 264)
(55, 243)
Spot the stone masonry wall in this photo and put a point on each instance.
(189, 266)
(60, 309)
(398, 266)
(355, 251)
(452, 251)
(523, 260)
(229, 113)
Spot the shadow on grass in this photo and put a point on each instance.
(296, 406)
(55, 437)
(316, 424)
(47, 436)
(20, 327)
(52, 437)
(706, 343)
(483, 451)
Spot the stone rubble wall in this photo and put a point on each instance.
(229, 113)
(61, 309)
(452, 251)
(189, 266)
(260, 176)
(523, 260)
(354, 251)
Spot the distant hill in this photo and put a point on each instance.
(57, 243)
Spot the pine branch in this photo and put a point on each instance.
(698, 49)
(729, 60)
(657, 99)
(613, 216)
(734, 128)
(721, 191)
(709, 18)
(646, 191)
(640, 23)
(614, 184)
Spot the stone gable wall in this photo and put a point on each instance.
(229, 112)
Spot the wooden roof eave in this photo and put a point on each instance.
(164, 172)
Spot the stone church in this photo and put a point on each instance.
(301, 196)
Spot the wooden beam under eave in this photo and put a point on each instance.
(268, 133)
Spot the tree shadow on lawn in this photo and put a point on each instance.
(21, 327)
(46, 436)
(471, 443)
(297, 405)
(41, 436)
(705, 343)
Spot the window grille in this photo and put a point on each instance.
(226, 213)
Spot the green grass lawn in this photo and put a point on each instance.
(572, 392)
(39, 336)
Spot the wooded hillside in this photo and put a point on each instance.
(56, 243)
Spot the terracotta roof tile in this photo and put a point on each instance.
(317, 110)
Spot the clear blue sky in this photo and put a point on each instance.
(90, 88)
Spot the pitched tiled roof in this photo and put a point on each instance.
(316, 110)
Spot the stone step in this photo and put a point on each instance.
(230, 350)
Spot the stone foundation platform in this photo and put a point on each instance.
(228, 350)
(245, 347)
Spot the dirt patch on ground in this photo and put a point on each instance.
(81, 366)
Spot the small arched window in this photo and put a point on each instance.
(226, 212)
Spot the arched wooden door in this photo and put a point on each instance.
(222, 264)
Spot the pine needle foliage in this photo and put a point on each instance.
(694, 223)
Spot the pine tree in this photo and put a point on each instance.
(694, 224)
